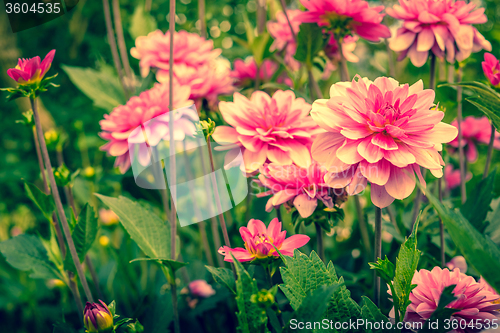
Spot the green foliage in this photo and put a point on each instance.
(43, 201)
(85, 231)
(172, 265)
(478, 249)
(142, 23)
(310, 41)
(27, 253)
(371, 313)
(486, 99)
(442, 312)
(151, 233)
(101, 86)
(478, 203)
(223, 276)
(384, 268)
(251, 317)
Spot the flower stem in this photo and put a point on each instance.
(121, 44)
(261, 16)
(490, 152)
(461, 159)
(390, 59)
(378, 252)
(93, 274)
(283, 6)
(202, 18)
(362, 225)
(278, 213)
(319, 242)
(173, 192)
(76, 294)
(269, 276)
(344, 71)
(313, 85)
(57, 199)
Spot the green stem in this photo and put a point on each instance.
(378, 251)
(319, 241)
(490, 152)
(59, 206)
(363, 228)
(202, 17)
(461, 157)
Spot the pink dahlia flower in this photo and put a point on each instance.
(473, 301)
(491, 69)
(489, 288)
(382, 132)
(200, 288)
(475, 130)
(333, 54)
(443, 27)
(124, 124)
(283, 37)
(31, 70)
(277, 128)
(301, 187)
(245, 72)
(457, 262)
(351, 16)
(452, 177)
(259, 242)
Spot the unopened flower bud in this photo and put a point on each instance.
(27, 120)
(62, 175)
(51, 139)
(88, 172)
(134, 327)
(263, 298)
(205, 128)
(97, 318)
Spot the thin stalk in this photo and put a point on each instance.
(283, 6)
(269, 276)
(202, 17)
(278, 213)
(393, 219)
(319, 242)
(313, 85)
(147, 5)
(461, 159)
(76, 294)
(93, 274)
(173, 171)
(121, 42)
(261, 16)
(390, 60)
(59, 206)
(344, 71)
(441, 225)
(363, 228)
(248, 200)
(378, 251)
(112, 45)
(490, 152)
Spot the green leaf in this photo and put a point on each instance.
(102, 87)
(142, 23)
(85, 231)
(441, 313)
(148, 230)
(223, 276)
(371, 313)
(478, 203)
(488, 107)
(43, 201)
(314, 305)
(171, 264)
(384, 268)
(260, 47)
(310, 41)
(251, 317)
(479, 251)
(27, 253)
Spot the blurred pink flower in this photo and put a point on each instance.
(452, 177)
(200, 288)
(283, 38)
(475, 130)
(333, 54)
(443, 27)
(305, 186)
(381, 132)
(473, 300)
(276, 128)
(457, 262)
(354, 16)
(31, 70)
(123, 125)
(196, 63)
(108, 217)
(491, 69)
(489, 288)
(259, 242)
(245, 72)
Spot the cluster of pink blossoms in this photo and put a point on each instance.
(442, 27)
(196, 63)
(245, 72)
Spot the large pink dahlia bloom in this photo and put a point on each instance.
(301, 187)
(350, 16)
(120, 127)
(475, 130)
(260, 242)
(443, 27)
(277, 128)
(474, 300)
(379, 131)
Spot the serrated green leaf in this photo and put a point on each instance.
(148, 230)
(371, 313)
(479, 251)
(384, 268)
(310, 41)
(478, 202)
(85, 231)
(102, 87)
(171, 264)
(223, 276)
(43, 201)
(27, 253)
(142, 23)
(251, 317)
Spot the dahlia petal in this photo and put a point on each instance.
(305, 205)
(292, 243)
(441, 133)
(284, 195)
(299, 154)
(253, 160)
(441, 34)
(274, 228)
(384, 141)
(425, 40)
(376, 173)
(256, 227)
(358, 183)
(348, 152)
(402, 41)
(239, 254)
(277, 155)
(401, 183)
(380, 197)
(471, 152)
(340, 179)
(418, 58)
(369, 151)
